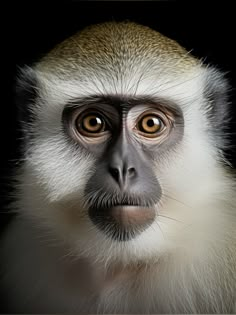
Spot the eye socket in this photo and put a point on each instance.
(91, 124)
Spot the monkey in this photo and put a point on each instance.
(124, 200)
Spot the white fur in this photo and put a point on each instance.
(58, 261)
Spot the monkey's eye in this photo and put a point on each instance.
(91, 124)
(151, 125)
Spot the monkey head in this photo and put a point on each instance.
(124, 131)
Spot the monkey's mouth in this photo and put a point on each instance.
(122, 221)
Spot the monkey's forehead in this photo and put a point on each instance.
(117, 46)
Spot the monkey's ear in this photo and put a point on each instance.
(218, 110)
(217, 94)
(26, 94)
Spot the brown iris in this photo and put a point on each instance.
(91, 123)
(151, 124)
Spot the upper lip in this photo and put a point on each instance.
(125, 203)
(107, 202)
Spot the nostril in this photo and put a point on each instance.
(131, 171)
(122, 177)
(114, 173)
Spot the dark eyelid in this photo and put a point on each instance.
(117, 102)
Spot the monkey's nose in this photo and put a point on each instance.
(122, 175)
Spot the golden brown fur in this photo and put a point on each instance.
(105, 44)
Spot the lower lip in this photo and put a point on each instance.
(132, 215)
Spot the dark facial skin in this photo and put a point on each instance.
(125, 136)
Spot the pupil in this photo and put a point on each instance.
(150, 123)
(94, 122)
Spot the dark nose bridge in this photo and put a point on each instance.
(121, 164)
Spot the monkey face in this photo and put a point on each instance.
(122, 134)
(121, 144)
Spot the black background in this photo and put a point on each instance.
(30, 29)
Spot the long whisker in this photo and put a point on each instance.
(174, 199)
(165, 216)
